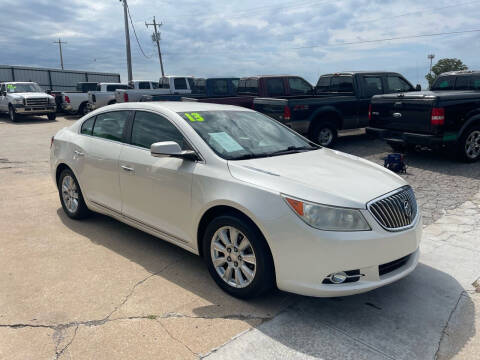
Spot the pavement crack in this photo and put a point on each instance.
(59, 353)
(444, 330)
(179, 341)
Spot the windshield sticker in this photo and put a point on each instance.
(194, 117)
(226, 141)
(11, 87)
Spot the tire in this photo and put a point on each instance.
(258, 267)
(83, 109)
(468, 147)
(67, 189)
(12, 114)
(324, 133)
(52, 116)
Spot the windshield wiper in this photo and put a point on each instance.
(250, 156)
(293, 150)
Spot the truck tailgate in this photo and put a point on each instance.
(275, 108)
(410, 112)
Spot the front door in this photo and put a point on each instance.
(156, 191)
(3, 99)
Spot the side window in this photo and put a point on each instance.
(198, 86)
(220, 87)
(165, 84)
(154, 85)
(235, 83)
(110, 125)
(343, 84)
(150, 128)
(115, 87)
(475, 82)
(373, 85)
(87, 126)
(444, 83)
(248, 87)
(462, 83)
(396, 84)
(144, 85)
(180, 83)
(190, 83)
(323, 83)
(298, 86)
(275, 86)
(2, 89)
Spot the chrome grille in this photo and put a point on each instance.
(396, 210)
(37, 101)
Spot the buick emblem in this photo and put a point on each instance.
(408, 209)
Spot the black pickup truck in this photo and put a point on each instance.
(340, 101)
(447, 116)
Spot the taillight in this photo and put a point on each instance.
(51, 142)
(125, 97)
(369, 112)
(286, 113)
(438, 116)
(67, 99)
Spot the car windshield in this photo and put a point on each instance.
(238, 135)
(23, 88)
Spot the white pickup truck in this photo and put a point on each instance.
(166, 85)
(104, 95)
(26, 98)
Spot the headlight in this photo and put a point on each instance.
(18, 101)
(328, 218)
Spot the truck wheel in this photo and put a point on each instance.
(12, 114)
(52, 116)
(468, 148)
(83, 109)
(324, 133)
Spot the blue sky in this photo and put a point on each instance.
(241, 38)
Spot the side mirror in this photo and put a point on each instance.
(418, 87)
(171, 149)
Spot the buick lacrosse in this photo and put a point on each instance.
(263, 205)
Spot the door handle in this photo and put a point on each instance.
(126, 168)
(79, 153)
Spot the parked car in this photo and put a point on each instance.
(341, 102)
(25, 98)
(446, 116)
(215, 90)
(104, 95)
(166, 85)
(263, 205)
(75, 102)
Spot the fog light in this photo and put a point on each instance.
(338, 277)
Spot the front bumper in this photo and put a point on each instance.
(25, 109)
(304, 256)
(402, 137)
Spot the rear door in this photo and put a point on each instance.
(371, 85)
(98, 154)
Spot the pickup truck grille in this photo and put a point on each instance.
(395, 211)
(37, 102)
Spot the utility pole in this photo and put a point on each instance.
(431, 57)
(60, 42)
(127, 38)
(156, 38)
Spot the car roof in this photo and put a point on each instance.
(360, 72)
(460, 72)
(177, 106)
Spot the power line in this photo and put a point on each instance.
(135, 33)
(387, 39)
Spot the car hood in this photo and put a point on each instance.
(323, 176)
(30, 95)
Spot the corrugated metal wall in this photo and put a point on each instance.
(53, 79)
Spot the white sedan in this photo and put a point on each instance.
(264, 206)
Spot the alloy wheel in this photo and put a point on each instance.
(472, 145)
(70, 194)
(233, 257)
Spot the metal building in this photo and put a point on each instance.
(54, 79)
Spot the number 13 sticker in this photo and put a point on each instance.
(194, 117)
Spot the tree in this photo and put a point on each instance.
(444, 65)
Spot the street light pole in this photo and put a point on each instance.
(431, 57)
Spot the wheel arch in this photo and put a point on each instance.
(224, 209)
(473, 120)
(325, 114)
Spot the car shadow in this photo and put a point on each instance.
(27, 120)
(405, 319)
